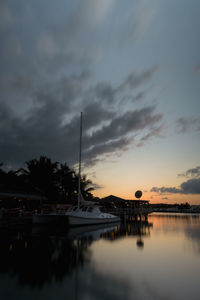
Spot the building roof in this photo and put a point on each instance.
(112, 198)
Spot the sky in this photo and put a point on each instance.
(132, 67)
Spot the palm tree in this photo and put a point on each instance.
(9, 181)
(86, 188)
(52, 180)
(42, 175)
(67, 182)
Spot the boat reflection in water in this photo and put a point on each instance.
(37, 256)
(101, 262)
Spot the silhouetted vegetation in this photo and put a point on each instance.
(170, 207)
(53, 180)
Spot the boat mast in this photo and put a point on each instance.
(79, 176)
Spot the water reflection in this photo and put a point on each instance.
(100, 262)
(38, 256)
(138, 229)
(176, 217)
(99, 286)
(189, 224)
(38, 260)
(175, 220)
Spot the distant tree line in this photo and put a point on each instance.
(180, 206)
(56, 181)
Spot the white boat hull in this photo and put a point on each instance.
(77, 220)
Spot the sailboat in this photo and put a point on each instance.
(86, 212)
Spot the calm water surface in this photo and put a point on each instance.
(156, 259)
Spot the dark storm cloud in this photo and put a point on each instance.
(45, 81)
(194, 172)
(50, 124)
(191, 186)
(42, 130)
(117, 136)
(128, 123)
(105, 92)
(51, 127)
(153, 132)
(95, 115)
(165, 190)
(186, 124)
(139, 96)
(99, 152)
(134, 79)
(126, 90)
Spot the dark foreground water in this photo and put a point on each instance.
(156, 259)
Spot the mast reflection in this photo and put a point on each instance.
(37, 257)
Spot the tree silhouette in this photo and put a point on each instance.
(12, 181)
(86, 188)
(67, 182)
(55, 181)
(42, 175)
